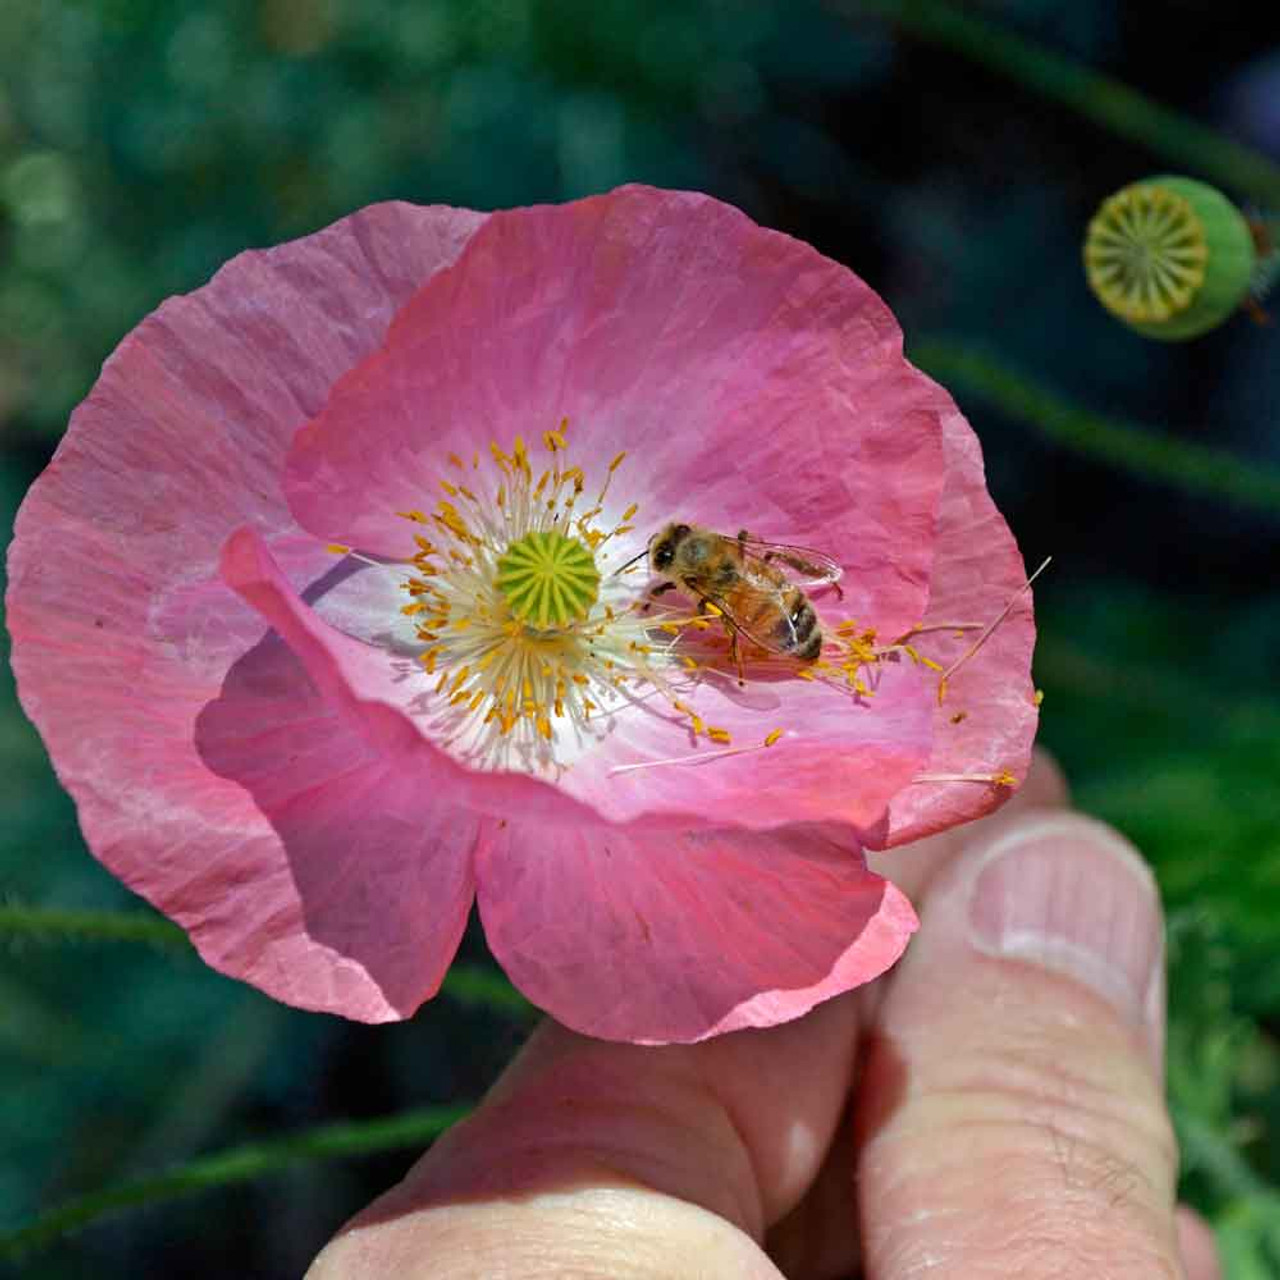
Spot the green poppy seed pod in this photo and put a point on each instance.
(1169, 256)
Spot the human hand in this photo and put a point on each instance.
(992, 1107)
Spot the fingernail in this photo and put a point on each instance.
(1069, 894)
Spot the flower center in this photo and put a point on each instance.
(535, 647)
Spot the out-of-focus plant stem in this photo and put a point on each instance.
(1192, 467)
(469, 984)
(1106, 101)
(53, 924)
(238, 1164)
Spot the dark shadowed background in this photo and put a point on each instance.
(142, 143)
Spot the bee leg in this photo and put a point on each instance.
(736, 655)
(660, 590)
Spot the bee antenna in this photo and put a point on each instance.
(634, 559)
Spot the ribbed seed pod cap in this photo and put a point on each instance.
(1169, 256)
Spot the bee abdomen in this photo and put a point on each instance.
(797, 630)
(808, 651)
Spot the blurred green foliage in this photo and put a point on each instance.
(144, 143)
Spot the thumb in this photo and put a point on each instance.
(1011, 1119)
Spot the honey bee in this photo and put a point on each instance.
(758, 587)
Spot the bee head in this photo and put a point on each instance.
(662, 550)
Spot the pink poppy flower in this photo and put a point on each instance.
(322, 612)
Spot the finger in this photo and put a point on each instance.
(819, 1238)
(1198, 1247)
(1011, 1114)
(596, 1158)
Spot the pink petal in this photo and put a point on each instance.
(123, 633)
(977, 571)
(755, 382)
(327, 882)
(655, 937)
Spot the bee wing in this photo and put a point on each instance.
(736, 621)
(804, 566)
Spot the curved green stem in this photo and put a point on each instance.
(54, 924)
(238, 1164)
(1100, 98)
(469, 984)
(1194, 468)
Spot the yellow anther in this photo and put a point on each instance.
(719, 735)
(773, 737)
(629, 512)
(617, 462)
(1038, 697)
(418, 517)
(450, 489)
(338, 548)
(455, 460)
